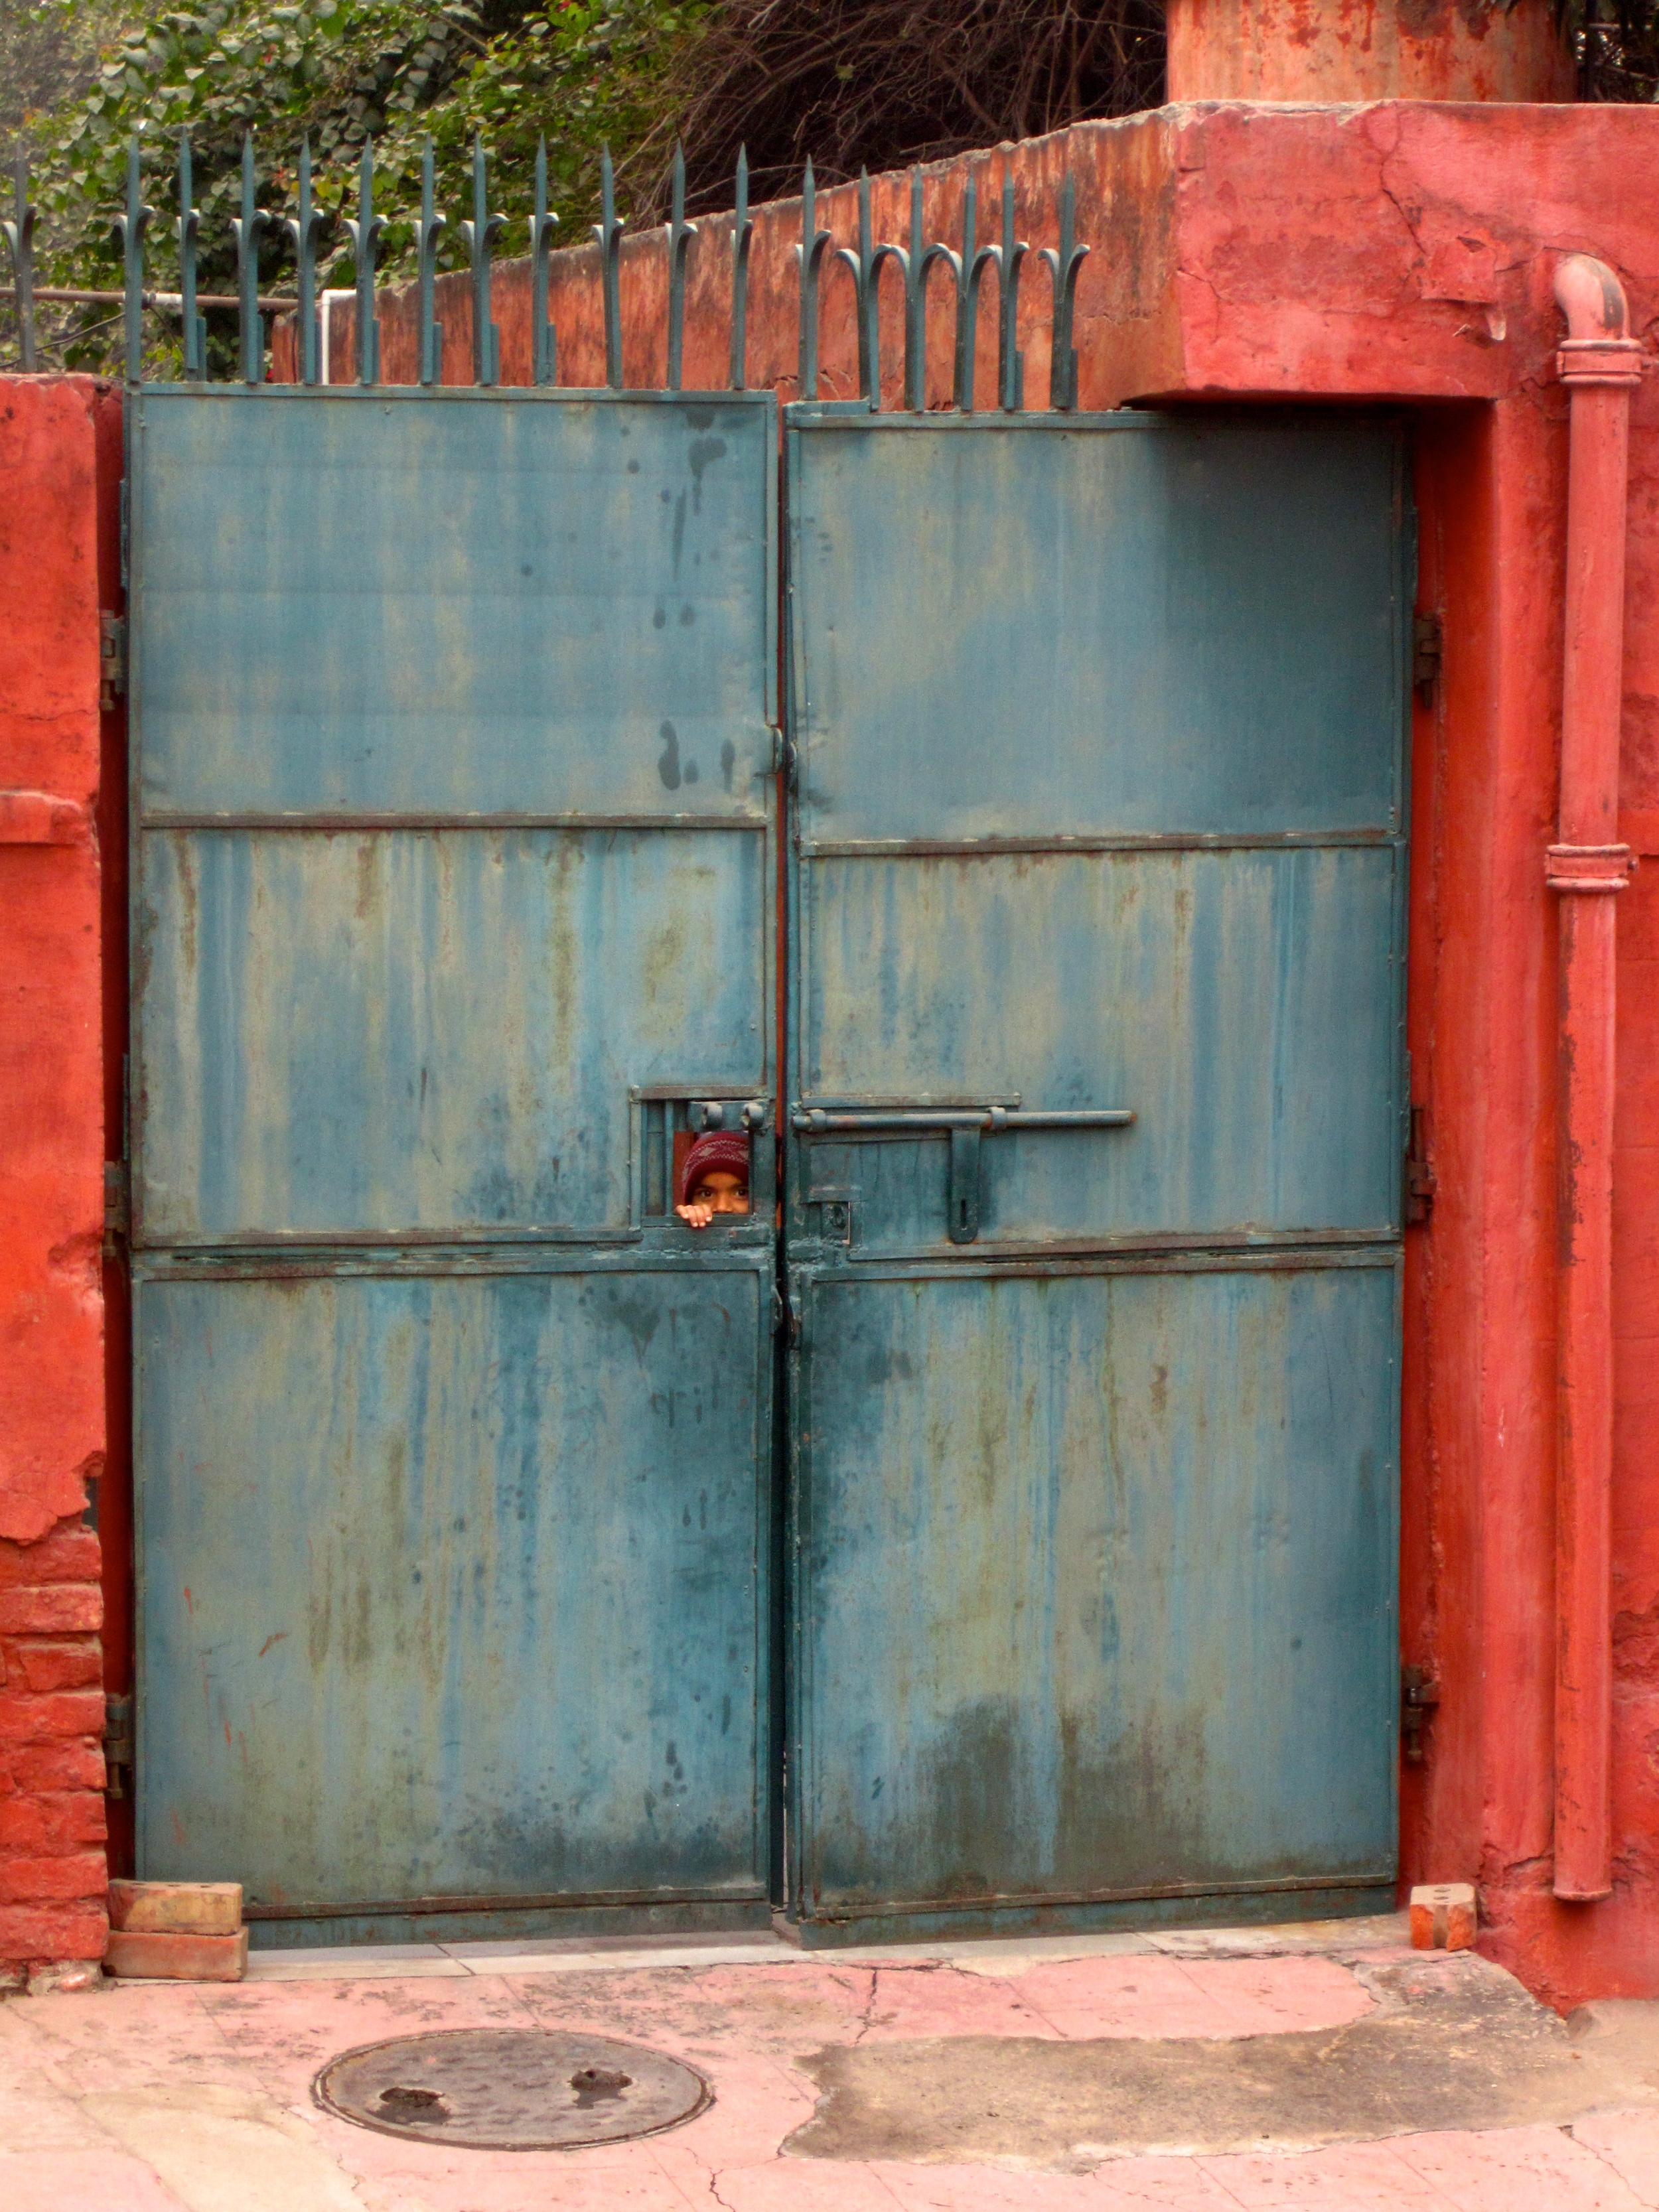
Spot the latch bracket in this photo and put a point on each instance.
(1428, 650)
(111, 660)
(962, 1225)
(1419, 1696)
(1420, 1170)
(117, 1745)
(117, 1207)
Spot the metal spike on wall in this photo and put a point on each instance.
(18, 231)
(899, 255)
(858, 265)
(432, 226)
(680, 235)
(249, 228)
(743, 231)
(365, 235)
(1063, 268)
(814, 244)
(967, 297)
(194, 325)
(543, 338)
(479, 234)
(129, 228)
(915, 306)
(304, 230)
(1011, 374)
(977, 261)
(936, 255)
(608, 236)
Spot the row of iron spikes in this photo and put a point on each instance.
(479, 232)
(916, 263)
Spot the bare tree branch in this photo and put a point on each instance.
(882, 83)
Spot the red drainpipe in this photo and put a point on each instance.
(1599, 363)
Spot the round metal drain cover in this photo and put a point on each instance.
(510, 2088)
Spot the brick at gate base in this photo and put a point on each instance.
(1443, 1917)
(176, 1931)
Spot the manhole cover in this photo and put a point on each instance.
(510, 2088)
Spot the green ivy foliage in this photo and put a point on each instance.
(339, 72)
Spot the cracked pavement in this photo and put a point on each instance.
(1319, 2068)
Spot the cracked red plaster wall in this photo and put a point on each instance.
(58, 485)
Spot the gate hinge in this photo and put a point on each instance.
(112, 659)
(1419, 1170)
(1418, 1697)
(118, 1206)
(117, 1745)
(1428, 645)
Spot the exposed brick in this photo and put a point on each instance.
(25, 1719)
(53, 1881)
(46, 1766)
(1442, 1915)
(54, 1610)
(175, 1908)
(70, 1555)
(59, 1820)
(52, 1931)
(178, 1958)
(59, 1665)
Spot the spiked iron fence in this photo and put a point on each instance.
(964, 268)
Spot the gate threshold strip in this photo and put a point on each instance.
(767, 1947)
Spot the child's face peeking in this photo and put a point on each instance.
(722, 1191)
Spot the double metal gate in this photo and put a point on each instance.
(486, 1581)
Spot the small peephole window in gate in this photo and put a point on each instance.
(687, 1145)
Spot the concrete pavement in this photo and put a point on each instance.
(1323, 2068)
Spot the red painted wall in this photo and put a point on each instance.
(60, 466)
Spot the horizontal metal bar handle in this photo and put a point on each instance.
(816, 1120)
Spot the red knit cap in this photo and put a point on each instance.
(721, 1151)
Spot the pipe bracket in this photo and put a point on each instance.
(1587, 867)
(1599, 360)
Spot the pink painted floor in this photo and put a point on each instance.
(151, 2098)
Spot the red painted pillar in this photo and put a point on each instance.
(1314, 49)
(57, 505)
(1598, 363)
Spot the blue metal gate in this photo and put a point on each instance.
(1093, 1211)
(453, 789)
(455, 818)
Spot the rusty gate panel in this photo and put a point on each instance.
(1226, 975)
(1093, 1211)
(396, 602)
(454, 821)
(287, 1087)
(450, 1582)
(1137, 1519)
